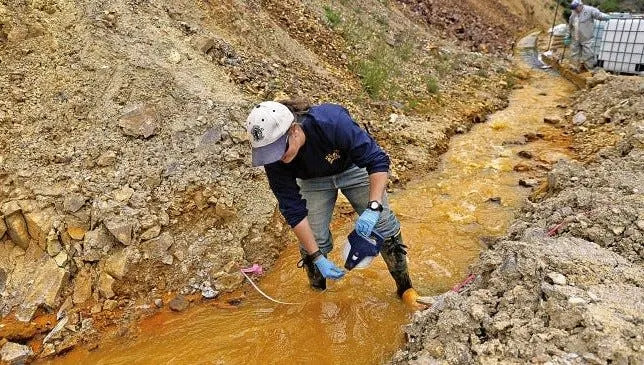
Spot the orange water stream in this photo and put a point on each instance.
(359, 319)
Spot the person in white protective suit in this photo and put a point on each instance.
(581, 25)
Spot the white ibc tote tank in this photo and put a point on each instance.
(622, 45)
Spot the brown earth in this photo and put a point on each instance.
(124, 163)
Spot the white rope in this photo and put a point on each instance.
(264, 294)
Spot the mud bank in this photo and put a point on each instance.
(565, 285)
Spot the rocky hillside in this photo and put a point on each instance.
(124, 164)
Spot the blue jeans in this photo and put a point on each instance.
(321, 194)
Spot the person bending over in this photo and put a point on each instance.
(310, 153)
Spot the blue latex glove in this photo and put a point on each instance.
(328, 268)
(366, 222)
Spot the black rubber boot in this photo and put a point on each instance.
(317, 281)
(395, 256)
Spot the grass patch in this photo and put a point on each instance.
(609, 6)
(431, 84)
(406, 51)
(374, 74)
(510, 80)
(482, 73)
(332, 17)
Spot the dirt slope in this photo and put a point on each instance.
(124, 164)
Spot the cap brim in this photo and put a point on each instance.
(270, 153)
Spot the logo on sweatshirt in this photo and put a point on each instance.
(332, 157)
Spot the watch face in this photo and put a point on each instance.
(374, 205)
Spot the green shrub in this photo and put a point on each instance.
(482, 72)
(332, 17)
(405, 51)
(374, 74)
(609, 6)
(432, 85)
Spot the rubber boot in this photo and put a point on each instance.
(395, 256)
(316, 280)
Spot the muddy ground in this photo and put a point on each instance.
(565, 285)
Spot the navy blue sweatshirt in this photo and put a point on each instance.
(334, 142)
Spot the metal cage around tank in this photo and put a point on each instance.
(619, 43)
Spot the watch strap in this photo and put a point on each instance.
(314, 255)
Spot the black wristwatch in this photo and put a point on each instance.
(375, 205)
(314, 255)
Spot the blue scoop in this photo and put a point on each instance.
(362, 247)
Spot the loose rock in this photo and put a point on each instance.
(14, 353)
(121, 229)
(579, 118)
(528, 183)
(82, 287)
(178, 303)
(156, 248)
(557, 278)
(139, 121)
(105, 283)
(17, 229)
(552, 120)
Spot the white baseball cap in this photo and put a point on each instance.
(268, 124)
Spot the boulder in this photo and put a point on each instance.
(105, 283)
(39, 224)
(151, 233)
(121, 229)
(17, 229)
(117, 264)
(49, 281)
(156, 248)
(15, 353)
(139, 121)
(10, 208)
(82, 287)
(96, 244)
(73, 203)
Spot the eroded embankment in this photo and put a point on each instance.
(565, 285)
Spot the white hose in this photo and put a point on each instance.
(264, 294)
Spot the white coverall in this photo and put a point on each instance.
(581, 28)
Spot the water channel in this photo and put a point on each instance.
(473, 194)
